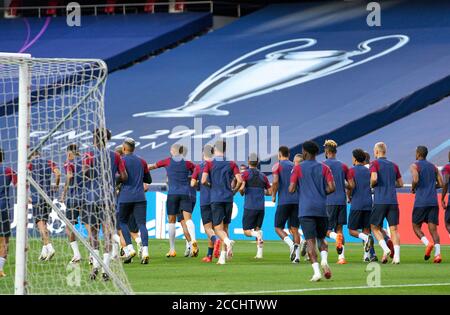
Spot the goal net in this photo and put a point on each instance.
(57, 198)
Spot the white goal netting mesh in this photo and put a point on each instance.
(71, 183)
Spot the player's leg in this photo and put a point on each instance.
(41, 214)
(134, 232)
(214, 241)
(341, 221)
(5, 233)
(187, 209)
(447, 219)
(294, 224)
(433, 222)
(393, 221)
(250, 224)
(418, 218)
(376, 222)
(359, 220)
(308, 225)
(187, 236)
(221, 212)
(125, 210)
(173, 209)
(72, 215)
(321, 232)
(281, 218)
(140, 214)
(333, 212)
(260, 233)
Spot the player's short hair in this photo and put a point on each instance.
(183, 150)
(1, 156)
(330, 146)
(299, 156)
(381, 146)
(242, 167)
(208, 151)
(130, 143)
(220, 146)
(284, 151)
(311, 147)
(359, 155)
(422, 151)
(253, 159)
(367, 160)
(73, 147)
(101, 136)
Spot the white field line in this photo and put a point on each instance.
(302, 290)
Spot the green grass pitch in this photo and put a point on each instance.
(274, 274)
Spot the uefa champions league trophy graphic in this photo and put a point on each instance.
(280, 69)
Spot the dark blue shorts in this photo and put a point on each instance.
(426, 215)
(5, 223)
(41, 211)
(178, 203)
(94, 214)
(132, 225)
(221, 212)
(337, 215)
(72, 214)
(180, 216)
(359, 219)
(137, 209)
(314, 227)
(252, 219)
(206, 214)
(381, 212)
(287, 214)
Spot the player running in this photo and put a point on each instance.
(73, 196)
(205, 205)
(97, 192)
(287, 207)
(132, 225)
(336, 202)
(7, 177)
(425, 179)
(178, 199)
(360, 197)
(314, 181)
(384, 179)
(218, 174)
(445, 190)
(255, 186)
(41, 171)
(132, 199)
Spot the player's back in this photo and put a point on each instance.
(284, 169)
(221, 174)
(387, 174)
(339, 170)
(312, 188)
(41, 172)
(205, 191)
(361, 193)
(255, 183)
(76, 183)
(426, 194)
(132, 190)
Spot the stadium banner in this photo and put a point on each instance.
(157, 224)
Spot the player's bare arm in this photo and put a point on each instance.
(415, 177)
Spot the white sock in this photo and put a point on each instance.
(116, 238)
(191, 229)
(172, 236)
(144, 251)
(49, 247)
(2, 263)
(363, 236)
(324, 257)
(333, 235)
(259, 251)
(437, 249)
(223, 255)
(138, 241)
(384, 246)
(254, 233)
(115, 250)
(130, 248)
(366, 255)
(227, 242)
(297, 253)
(288, 241)
(106, 259)
(396, 251)
(341, 256)
(95, 262)
(76, 251)
(188, 244)
(316, 268)
(424, 240)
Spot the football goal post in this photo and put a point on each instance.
(57, 195)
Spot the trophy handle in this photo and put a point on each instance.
(364, 47)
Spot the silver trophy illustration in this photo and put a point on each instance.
(280, 69)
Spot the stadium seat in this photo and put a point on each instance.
(110, 8)
(149, 6)
(51, 11)
(13, 7)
